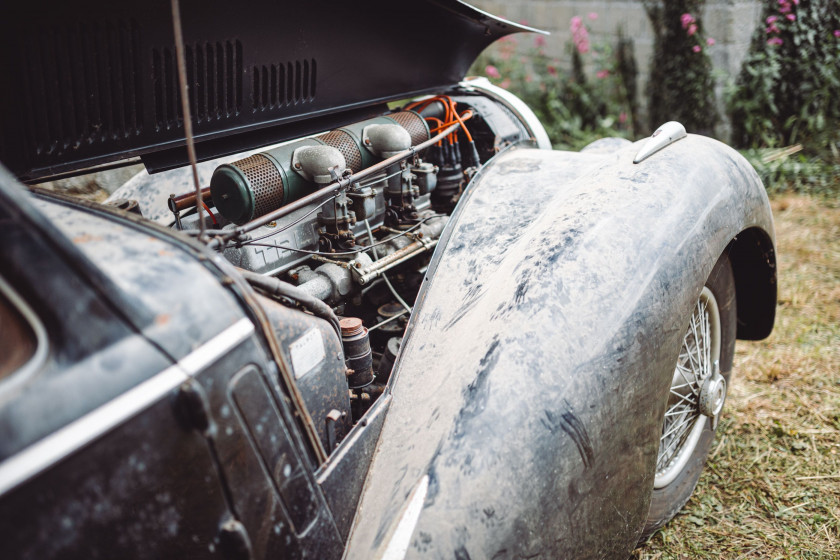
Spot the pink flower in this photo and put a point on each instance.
(696, 48)
(552, 70)
(622, 117)
(710, 41)
(791, 17)
(539, 41)
(837, 33)
(775, 41)
(580, 35)
(602, 73)
(771, 19)
(492, 71)
(505, 83)
(772, 29)
(692, 29)
(686, 20)
(583, 46)
(529, 78)
(592, 16)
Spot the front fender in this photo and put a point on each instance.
(533, 378)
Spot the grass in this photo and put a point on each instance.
(771, 488)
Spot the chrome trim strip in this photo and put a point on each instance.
(27, 370)
(216, 347)
(401, 538)
(48, 451)
(43, 454)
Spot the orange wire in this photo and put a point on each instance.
(209, 212)
(463, 126)
(450, 117)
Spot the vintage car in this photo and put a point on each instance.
(359, 326)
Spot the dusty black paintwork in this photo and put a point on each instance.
(219, 452)
(343, 475)
(565, 281)
(531, 384)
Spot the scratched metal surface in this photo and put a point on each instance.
(184, 301)
(532, 383)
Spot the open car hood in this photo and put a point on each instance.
(89, 82)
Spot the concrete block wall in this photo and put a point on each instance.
(730, 22)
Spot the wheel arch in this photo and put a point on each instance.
(753, 259)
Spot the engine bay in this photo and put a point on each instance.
(343, 225)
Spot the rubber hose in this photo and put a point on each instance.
(277, 287)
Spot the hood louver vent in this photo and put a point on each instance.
(281, 85)
(81, 86)
(88, 83)
(214, 75)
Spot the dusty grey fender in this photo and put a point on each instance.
(532, 382)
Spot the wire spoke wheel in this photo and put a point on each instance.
(695, 396)
(697, 364)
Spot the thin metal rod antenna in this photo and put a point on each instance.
(185, 109)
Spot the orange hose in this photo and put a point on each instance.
(209, 212)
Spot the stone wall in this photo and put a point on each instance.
(730, 22)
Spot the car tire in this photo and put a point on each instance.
(694, 406)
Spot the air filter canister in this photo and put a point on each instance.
(254, 186)
(348, 140)
(414, 124)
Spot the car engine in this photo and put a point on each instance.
(363, 246)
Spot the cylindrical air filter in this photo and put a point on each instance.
(254, 186)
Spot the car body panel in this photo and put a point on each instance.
(252, 65)
(180, 295)
(140, 436)
(552, 314)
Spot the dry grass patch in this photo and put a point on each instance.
(771, 488)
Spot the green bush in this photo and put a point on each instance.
(788, 90)
(788, 93)
(681, 87)
(574, 106)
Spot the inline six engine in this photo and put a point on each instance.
(346, 221)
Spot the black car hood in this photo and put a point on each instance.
(89, 82)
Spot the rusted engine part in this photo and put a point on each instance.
(358, 355)
(266, 186)
(337, 280)
(389, 357)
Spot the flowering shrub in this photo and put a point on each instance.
(788, 90)
(574, 107)
(681, 87)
